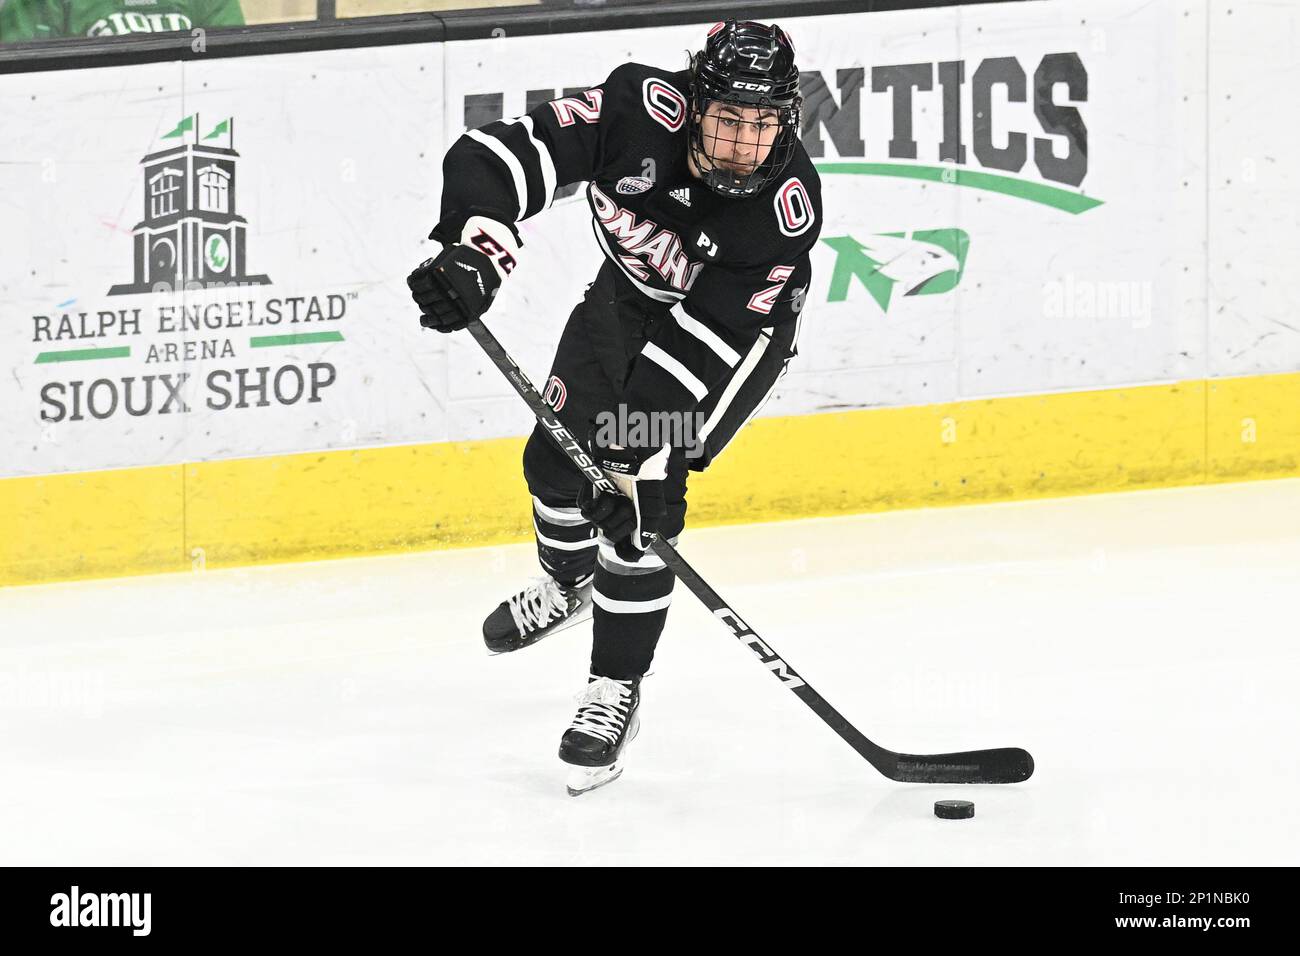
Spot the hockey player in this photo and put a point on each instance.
(705, 205)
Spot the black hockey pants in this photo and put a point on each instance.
(601, 340)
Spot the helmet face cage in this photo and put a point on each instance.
(736, 139)
(747, 74)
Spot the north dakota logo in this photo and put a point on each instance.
(922, 262)
(191, 236)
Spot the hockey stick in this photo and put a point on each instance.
(1003, 765)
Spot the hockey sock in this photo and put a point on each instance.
(630, 606)
(566, 542)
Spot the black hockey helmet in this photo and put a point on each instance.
(745, 65)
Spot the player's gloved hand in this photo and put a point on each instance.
(631, 519)
(453, 287)
(459, 283)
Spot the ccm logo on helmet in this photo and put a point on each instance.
(758, 87)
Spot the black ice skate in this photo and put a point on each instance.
(542, 608)
(605, 723)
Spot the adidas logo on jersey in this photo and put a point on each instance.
(682, 195)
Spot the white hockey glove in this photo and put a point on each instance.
(631, 519)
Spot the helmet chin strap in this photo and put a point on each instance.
(691, 165)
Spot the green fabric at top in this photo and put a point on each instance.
(22, 20)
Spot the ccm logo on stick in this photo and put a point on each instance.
(764, 653)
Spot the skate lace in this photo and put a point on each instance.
(604, 708)
(537, 604)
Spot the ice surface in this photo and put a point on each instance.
(1142, 646)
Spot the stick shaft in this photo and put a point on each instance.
(1006, 765)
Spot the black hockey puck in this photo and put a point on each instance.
(954, 809)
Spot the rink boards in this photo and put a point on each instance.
(1013, 295)
(377, 500)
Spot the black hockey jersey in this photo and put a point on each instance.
(728, 270)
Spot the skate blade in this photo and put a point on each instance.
(584, 779)
(582, 614)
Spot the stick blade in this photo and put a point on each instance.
(1002, 765)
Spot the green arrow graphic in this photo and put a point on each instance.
(852, 262)
(925, 262)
